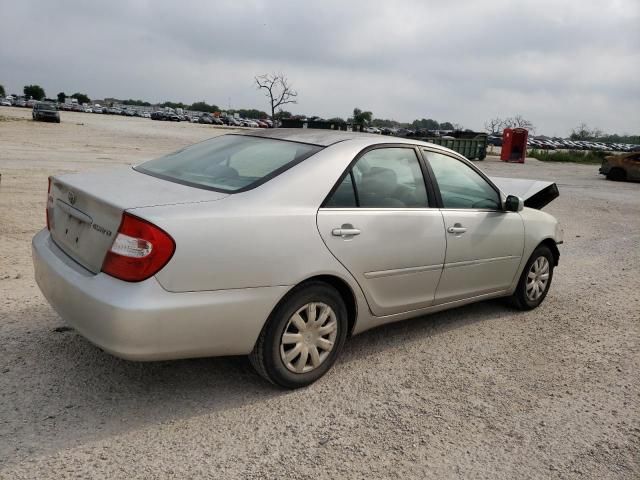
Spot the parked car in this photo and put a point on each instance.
(45, 112)
(226, 248)
(5, 102)
(245, 122)
(232, 122)
(495, 141)
(621, 167)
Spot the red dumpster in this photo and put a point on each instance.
(514, 145)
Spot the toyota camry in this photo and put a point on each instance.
(280, 244)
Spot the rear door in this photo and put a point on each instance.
(379, 223)
(484, 242)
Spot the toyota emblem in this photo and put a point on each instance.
(72, 198)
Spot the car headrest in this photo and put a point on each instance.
(379, 181)
(223, 171)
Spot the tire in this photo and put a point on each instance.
(271, 350)
(523, 300)
(616, 174)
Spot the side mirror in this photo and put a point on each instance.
(513, 204)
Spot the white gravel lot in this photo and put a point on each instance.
(482, 391)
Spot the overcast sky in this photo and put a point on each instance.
(556, 63)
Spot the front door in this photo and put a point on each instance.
(379, 225)
(484, 242)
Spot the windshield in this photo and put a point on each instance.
(46, 106)
(229, 163)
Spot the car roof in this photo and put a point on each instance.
(316, 136)
(325, 137)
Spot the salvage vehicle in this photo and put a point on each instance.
(621, 167)
(45, 112)
(281, 243)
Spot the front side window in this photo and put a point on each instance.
(461, 186)
(382, 178)
(229, 163)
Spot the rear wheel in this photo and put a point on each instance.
(535, 279)
(616, 174)
(303, 336)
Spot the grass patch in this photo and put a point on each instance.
(574, 156)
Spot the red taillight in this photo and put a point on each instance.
(139, 250)
(49, 205)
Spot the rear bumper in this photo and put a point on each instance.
(142, 321)
(48, 118)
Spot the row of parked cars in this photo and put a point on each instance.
(125, 112)
(208, 119)
(17, 102)
(562, 144)
(566, 144)
(165, 115)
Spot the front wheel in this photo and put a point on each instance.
(617, 174)
(303, 336)
(535, 279)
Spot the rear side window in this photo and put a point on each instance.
(382, 178)
(229, 163)
(344, 196)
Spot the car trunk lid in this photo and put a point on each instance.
(85, 209)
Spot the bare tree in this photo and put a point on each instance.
(582, 132)
(493, 125)
(518, 121)
(521, 122)
(277, 89)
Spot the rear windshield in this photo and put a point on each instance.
(229, 163)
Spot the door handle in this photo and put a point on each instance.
(457, 228)
(345, 230)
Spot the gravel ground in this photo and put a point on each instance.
(478, 392)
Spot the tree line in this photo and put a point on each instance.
(280, 92)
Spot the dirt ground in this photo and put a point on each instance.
(482, 391)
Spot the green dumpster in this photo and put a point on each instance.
(473, 148)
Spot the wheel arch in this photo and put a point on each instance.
(617, 173)
(551, 245)
(340, 285)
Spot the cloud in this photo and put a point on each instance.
(557, 63)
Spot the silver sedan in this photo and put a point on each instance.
(280, 244)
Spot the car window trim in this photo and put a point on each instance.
(431, 199)
(470, 165)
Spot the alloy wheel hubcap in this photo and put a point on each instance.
(537, 278)
(309, 337)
